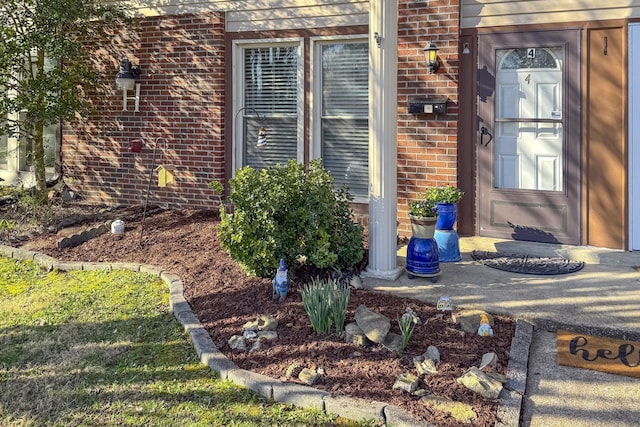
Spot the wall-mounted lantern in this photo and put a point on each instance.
(126, 81)
(431, 56)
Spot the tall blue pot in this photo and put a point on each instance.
(447, 215)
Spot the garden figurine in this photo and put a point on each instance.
(485, 328)
(280, 283)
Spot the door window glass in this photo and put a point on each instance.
(528, 148)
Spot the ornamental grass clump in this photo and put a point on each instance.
(407, 324)
(325, 302)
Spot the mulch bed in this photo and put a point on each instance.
(224, 299)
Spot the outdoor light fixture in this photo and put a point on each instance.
(431, 55)
(126, 81)
(262, 132)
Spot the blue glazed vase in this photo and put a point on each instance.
(423, 257)
(447, 215)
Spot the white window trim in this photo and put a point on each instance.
(238, 94)
(315, 119)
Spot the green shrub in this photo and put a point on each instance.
(325, 302)
(283, 212)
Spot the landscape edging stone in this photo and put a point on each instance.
(509, 407)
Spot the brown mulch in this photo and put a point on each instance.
(224, 299)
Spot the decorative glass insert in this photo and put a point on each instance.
(516, 59)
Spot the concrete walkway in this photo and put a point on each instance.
(602, 299)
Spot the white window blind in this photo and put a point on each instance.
(344, 115)
(270, 90)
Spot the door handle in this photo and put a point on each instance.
(484, 131)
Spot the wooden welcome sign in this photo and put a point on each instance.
(598, 353)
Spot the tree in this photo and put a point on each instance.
(44, 67)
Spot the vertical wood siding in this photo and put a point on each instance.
(493, 13)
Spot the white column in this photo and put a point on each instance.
(383, 100)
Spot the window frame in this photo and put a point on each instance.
(315, 94)
(238, 94)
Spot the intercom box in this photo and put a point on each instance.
(434, 105)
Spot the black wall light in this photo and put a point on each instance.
(431, 55)
(126, 81)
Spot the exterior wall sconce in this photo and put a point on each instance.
(126, 81)
(431, 55)
(262, 132)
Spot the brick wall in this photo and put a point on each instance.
(427, 144)
(182, 100)
(182, 63)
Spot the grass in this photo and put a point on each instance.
(101, 348)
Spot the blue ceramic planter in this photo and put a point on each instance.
(423, 257)
(447, 215)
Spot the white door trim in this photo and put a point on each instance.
(634, 137)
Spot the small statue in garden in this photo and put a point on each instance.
(485, 327)
(444, 304)
(280, 283)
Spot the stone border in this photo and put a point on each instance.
(509, 406)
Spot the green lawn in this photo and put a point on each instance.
(102, 348)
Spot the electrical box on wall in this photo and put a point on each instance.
(435, 105)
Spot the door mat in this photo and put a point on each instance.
(525, 264)
(609, 355)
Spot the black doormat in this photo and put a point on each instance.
(525, 264)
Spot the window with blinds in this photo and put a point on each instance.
(270, 101)
(344, 114)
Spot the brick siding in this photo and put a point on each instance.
(427, 144)
(182, 63)
(182, 100)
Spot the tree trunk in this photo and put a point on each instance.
(38, 144)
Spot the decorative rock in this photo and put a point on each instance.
(267, 323)
(424, 366)
(488, 359)
(461, 412)
(262, 323)
(249, 334)
(267, 335)
(420, 393)
(250, 326)
(356, 282)
(374, 325)
(257, 345)
(393, 342)
(407, 382)
(469, 320)
(479, 382)
(432, 354)
(427, 363)
(353, 334)
(292, 371)
(308, 376)
(237, 342)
